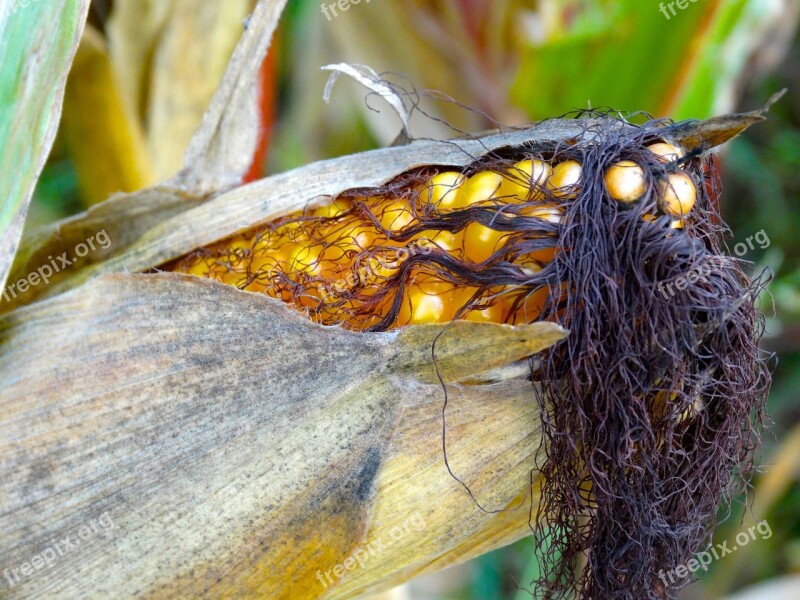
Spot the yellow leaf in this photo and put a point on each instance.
(104, 138)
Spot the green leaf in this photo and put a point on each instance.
(630, 55)
(38, 41)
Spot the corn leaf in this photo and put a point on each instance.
(221, 150)
(37, 44)
(105, 140)
(218, 157)
(230, 448)
(172, 56)
(630, 55)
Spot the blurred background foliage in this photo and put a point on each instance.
(146, 70)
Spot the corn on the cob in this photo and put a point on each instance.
(582, 231)
(336, 260)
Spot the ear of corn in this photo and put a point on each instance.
(336, 260)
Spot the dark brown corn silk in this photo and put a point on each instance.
(649, 408)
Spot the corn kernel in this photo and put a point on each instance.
(480, 242)
(625, 181)
(396, 215)
(547, 212)
(443, 240)
(351, 236)
(529, 309)
(677, 194)
(525, 180)
(665, 152)
(565, 180)
(443, 189)
(335, 208)
(478, 188)
(495, 312)
(306, 258)
(424, 306)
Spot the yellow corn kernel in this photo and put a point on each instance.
(546, 212)
(396, 215)
(201, 267)
(351, 235)
(335, 208)
(529, 309)
(428, 302)
(443, 240)
(478, 188)
(665, 152)
(525, 180)
(480, 242)
(442, 189)
(494, 313)
(545, 255)
(566, 178)
(677, 195)
(307, 257)
(625, 181)
(381, 266)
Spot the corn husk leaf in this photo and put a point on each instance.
(31, 93)
(105, 140)
(218, 157)
(239, 449)
(171, 57)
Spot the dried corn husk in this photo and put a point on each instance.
(238, 448)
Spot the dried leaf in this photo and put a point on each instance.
(106, 142)
(188, 63)
(133, 29)
(231, 448)
(221, 150)
(218, 157)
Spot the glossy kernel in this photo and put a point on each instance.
(524, 181)
(423, 306)
(479, 188)
(443, 240)
(665, 152)
(396, 215)
(480, 242)
(625, 181)
(443, 189)
(566, 179)
(335, 208)
(678, 195)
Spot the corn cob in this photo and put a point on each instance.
(337, 260)
(646, 406)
